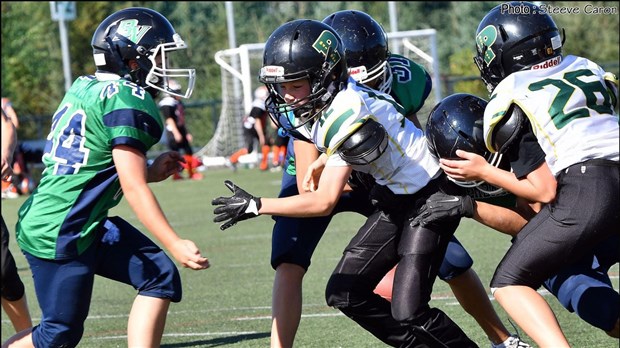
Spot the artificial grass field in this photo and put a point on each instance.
(229, 303)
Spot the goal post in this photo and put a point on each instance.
(239, 75)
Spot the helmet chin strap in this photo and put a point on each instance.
(134, 76)
(386, 84)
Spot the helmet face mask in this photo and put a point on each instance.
(455, 123)
(173, 87)
(365, 45)
(302, 49)
(491, 75)
(162, 71)
(511, 41)
(135, 43)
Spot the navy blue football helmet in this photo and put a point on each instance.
(146, 37)
(455, 123)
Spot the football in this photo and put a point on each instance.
(384, 288)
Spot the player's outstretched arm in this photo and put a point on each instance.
(243, 205)
(440, 206)
(538, 186)
(305, 154)
(132, 171)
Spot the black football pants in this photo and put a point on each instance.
(408, 321)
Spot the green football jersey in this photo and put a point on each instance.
(411, 83)
(80, 183)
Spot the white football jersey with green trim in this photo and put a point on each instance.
(406, 166)
(569, 106)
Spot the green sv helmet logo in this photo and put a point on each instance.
(326, 44)
(484, 40)
(130, 29)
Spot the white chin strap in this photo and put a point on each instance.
(386, 84)
(362, 76)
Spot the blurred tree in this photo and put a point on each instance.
(593, 36)
(31, 57)
(464, 75)
(203, 27)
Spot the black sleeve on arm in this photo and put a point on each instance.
(256, 112)
(525, 155)
(168, 111)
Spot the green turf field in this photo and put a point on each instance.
(229, 303)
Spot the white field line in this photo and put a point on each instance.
(192, 334)
(451, 302)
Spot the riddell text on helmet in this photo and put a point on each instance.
(548, 63)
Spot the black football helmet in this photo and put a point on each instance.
(455, 123)
(365, 45)
(515, 36)
(303, 49)
(147, 37)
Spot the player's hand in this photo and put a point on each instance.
(165, 165)
(7, 171)
(240, 206)
(187, 253)
(469, 167)
(440, 206)
(313, 174)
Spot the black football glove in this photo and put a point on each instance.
(240, 206)
(440, 206)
